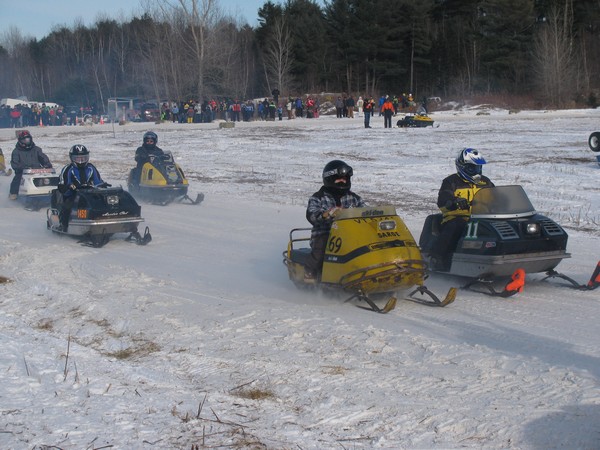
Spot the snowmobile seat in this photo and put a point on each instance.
(431, 229)
(300, 255)
(56, 199)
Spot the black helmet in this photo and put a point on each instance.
(25, 140)
(150, 139)
(337, 175)
(79, 155)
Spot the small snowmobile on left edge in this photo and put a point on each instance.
(161, 182)
(97, 214)
(370, 252)
(36, 187)
(3, 169)
(594, 143)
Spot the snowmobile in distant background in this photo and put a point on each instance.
(415, 121)
(370, 251)
(97, 214)
(161, 182)
(36, 188)
(594, 143)
(504, 237)
(418, 120)
(3, 169)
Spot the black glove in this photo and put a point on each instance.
(461, 203)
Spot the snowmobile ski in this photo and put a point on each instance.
(514, 286)
(590, 286)
(435, 301)
(389, 305)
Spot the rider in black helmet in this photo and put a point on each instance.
(323, 205)
(144, 154)
(26, 155)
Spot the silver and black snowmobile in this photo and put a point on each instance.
(504, 237)
(97, 214)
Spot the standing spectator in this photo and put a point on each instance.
(388, 112)
(289, 106)
(236, 109)
(15, 117)
(381, 102)
(272, 110)
(175, 112)
(350, 103)
(299, 107)
(359, 104)
(339, 106)
(368, 108)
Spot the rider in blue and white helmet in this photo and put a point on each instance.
(469, 164)
(454, 200)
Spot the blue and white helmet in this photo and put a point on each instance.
(469, 163)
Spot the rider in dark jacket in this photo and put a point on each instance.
(77, 175)
(323, 205)
(145, 153)
(26, 155)
(454, 200)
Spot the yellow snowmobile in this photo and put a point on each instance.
(161, 181)
(370, 251)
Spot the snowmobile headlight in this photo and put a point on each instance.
(387, 225)
(112, 200)
(532, 228)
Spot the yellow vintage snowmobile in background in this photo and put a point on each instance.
(370, 252)
(161, 182)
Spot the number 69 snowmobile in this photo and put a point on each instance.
(370, 251)
(97, 214)
(504, 237)
(161, 182)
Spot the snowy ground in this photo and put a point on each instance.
(199, 340)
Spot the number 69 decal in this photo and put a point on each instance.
(335, 244)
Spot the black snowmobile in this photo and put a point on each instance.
(161, 182)
(97, 214)
(504, 237)
(594, 143)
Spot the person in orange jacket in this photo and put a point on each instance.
(388, 111)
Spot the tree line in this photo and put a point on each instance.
(189, 49)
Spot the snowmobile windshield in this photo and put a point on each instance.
(501, 202)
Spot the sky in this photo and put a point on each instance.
(38, 17)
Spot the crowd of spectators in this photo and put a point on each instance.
(26, 115)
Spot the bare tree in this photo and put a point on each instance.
(277, 55)
(554, 55)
